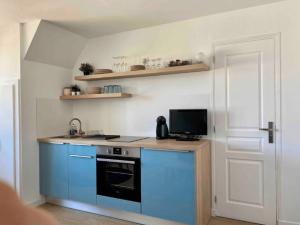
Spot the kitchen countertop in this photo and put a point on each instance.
(153, 143)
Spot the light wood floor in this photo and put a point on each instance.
(73, 217)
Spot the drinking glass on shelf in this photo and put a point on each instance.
(200, 57)
(117, 89)
(106, 89)
(121, 66)
(118, 63)
(128, 62)
(124, 63)
(158, 63)
(152, 66)
(115, 61)
(110, 88)
(146, 62)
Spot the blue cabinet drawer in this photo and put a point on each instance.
(83, 150)
(82, 174)
(119, 204)
(168, 185)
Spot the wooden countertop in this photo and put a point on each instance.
(153, 143)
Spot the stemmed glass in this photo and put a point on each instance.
(200, 57)
(120, 63)
(158, 63)
(124, 64)
(146, 62)
(117, 63)
(122, 69)
(153, 63)
(114, 67)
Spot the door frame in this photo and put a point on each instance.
(278, 93)
(15, 82)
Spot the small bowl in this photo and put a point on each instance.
(93, 90)
(137, 67)
(102, 71)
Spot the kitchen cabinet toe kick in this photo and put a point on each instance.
(110, 212)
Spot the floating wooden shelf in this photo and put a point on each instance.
(96, 96)
(145, 73)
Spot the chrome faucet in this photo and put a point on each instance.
(79, 121)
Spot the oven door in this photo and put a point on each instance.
(119, 177)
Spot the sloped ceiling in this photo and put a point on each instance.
(92, 18)
(55, 46)
(28, 31)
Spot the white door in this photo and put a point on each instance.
(7, 134)
(245, 156)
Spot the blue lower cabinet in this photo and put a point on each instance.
(119, 204)
(82, 174)
(168, 185)
(54, 170)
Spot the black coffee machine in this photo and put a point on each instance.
(162, 131)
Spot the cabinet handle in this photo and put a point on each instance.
(81, 144)
(82, 156)
(182, 151)
(57, 143)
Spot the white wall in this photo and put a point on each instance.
(10, 51)
(43, 114)
(41, 85)
(9, 110)
(7, 134)
(153, 96)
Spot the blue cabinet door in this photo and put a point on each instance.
(54, 170)
(168, 185)
(82, 174)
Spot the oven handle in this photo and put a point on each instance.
(115, 161)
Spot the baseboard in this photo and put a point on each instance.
(284, 222)
(36, 203)
(214, 212)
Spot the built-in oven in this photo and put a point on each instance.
(119, 172)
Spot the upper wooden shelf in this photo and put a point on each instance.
(145, 73)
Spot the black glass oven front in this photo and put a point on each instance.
(119, 177)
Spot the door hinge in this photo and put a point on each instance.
(214, 129)
(216, 200)
(214, 59)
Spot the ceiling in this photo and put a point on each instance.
(92, 18)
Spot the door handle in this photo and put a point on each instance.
(270, 130)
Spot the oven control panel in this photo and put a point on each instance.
(119, 151)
